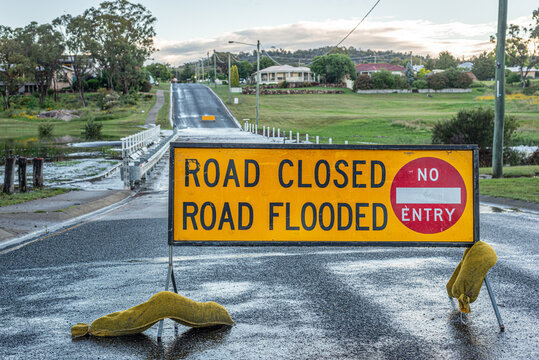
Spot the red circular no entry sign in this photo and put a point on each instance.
(428, 195)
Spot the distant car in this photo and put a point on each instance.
(174, 80)
(243, 81)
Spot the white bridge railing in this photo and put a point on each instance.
(135, 142)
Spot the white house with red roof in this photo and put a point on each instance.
(370, 68)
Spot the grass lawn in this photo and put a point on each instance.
(17, 197)
(375, 118)
(513, 171)
(523, 188)
(163, 114)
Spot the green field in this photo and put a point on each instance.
(376, 118)
(523, 188)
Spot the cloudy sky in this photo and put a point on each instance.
(187, 30)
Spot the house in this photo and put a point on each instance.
(533, 73)
(465, 66)
(369, 68)
(278, 73)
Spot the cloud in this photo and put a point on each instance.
(419, 36)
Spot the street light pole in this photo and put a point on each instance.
(214, 71)
(229, 94)
(257, 78)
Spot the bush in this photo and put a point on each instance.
(363, 82)
(383, 80)
(146, 86)
(400, 82)
(463, 81)
(512, 78)
(93, 84)
(475, 126)
(107, 99)
(45, 130)
(437, 81)
(92, 130)
(283, 84)
(420, 84)
(147, 97)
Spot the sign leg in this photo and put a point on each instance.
(494, 305)
(170, 275)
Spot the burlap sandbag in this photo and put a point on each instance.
(467, 279)
(162, 305)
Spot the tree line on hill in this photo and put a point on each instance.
(105, 46)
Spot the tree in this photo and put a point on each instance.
(266, 62)
(484, 66)
(159, 71)
(522, 46)
(234, 76)
(123, 34)
(43, 46)
(445, 61)
(77, 39)
(409, 73)
(396, 61)
(333, 68)
(245, 69)
(430, 63)
(437, 81)
(422, 73)
(12, 63)
(187, 73)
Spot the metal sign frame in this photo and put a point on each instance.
(172, 243)
(473, 148)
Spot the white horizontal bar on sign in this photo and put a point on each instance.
(428, 195)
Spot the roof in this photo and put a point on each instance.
(517, 68)
(378, 67)
(465, 65)
(285, 68)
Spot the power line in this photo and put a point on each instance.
(351, 31)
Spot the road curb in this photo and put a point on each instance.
(509, 202)
(85, 211)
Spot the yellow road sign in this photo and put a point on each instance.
(208, 118)
(323, 194)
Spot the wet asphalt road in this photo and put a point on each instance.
(288, 302)
(192, 101)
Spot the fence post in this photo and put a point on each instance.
(273, 133)
(306, 137)
(297, 137)
(279, 132)
(22, 174)
(346, 142)
(38, 172)
(317, 139)
(9, 176)
(330, 141)
(290, 135)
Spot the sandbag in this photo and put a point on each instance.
(164, 304)
(449, 285)
(473, 268)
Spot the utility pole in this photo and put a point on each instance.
(214, 71)
(411, 60)
(209, 64)
(229, 93)
(257, 78)
(202, 63)
(196, 72)
(499, 97)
